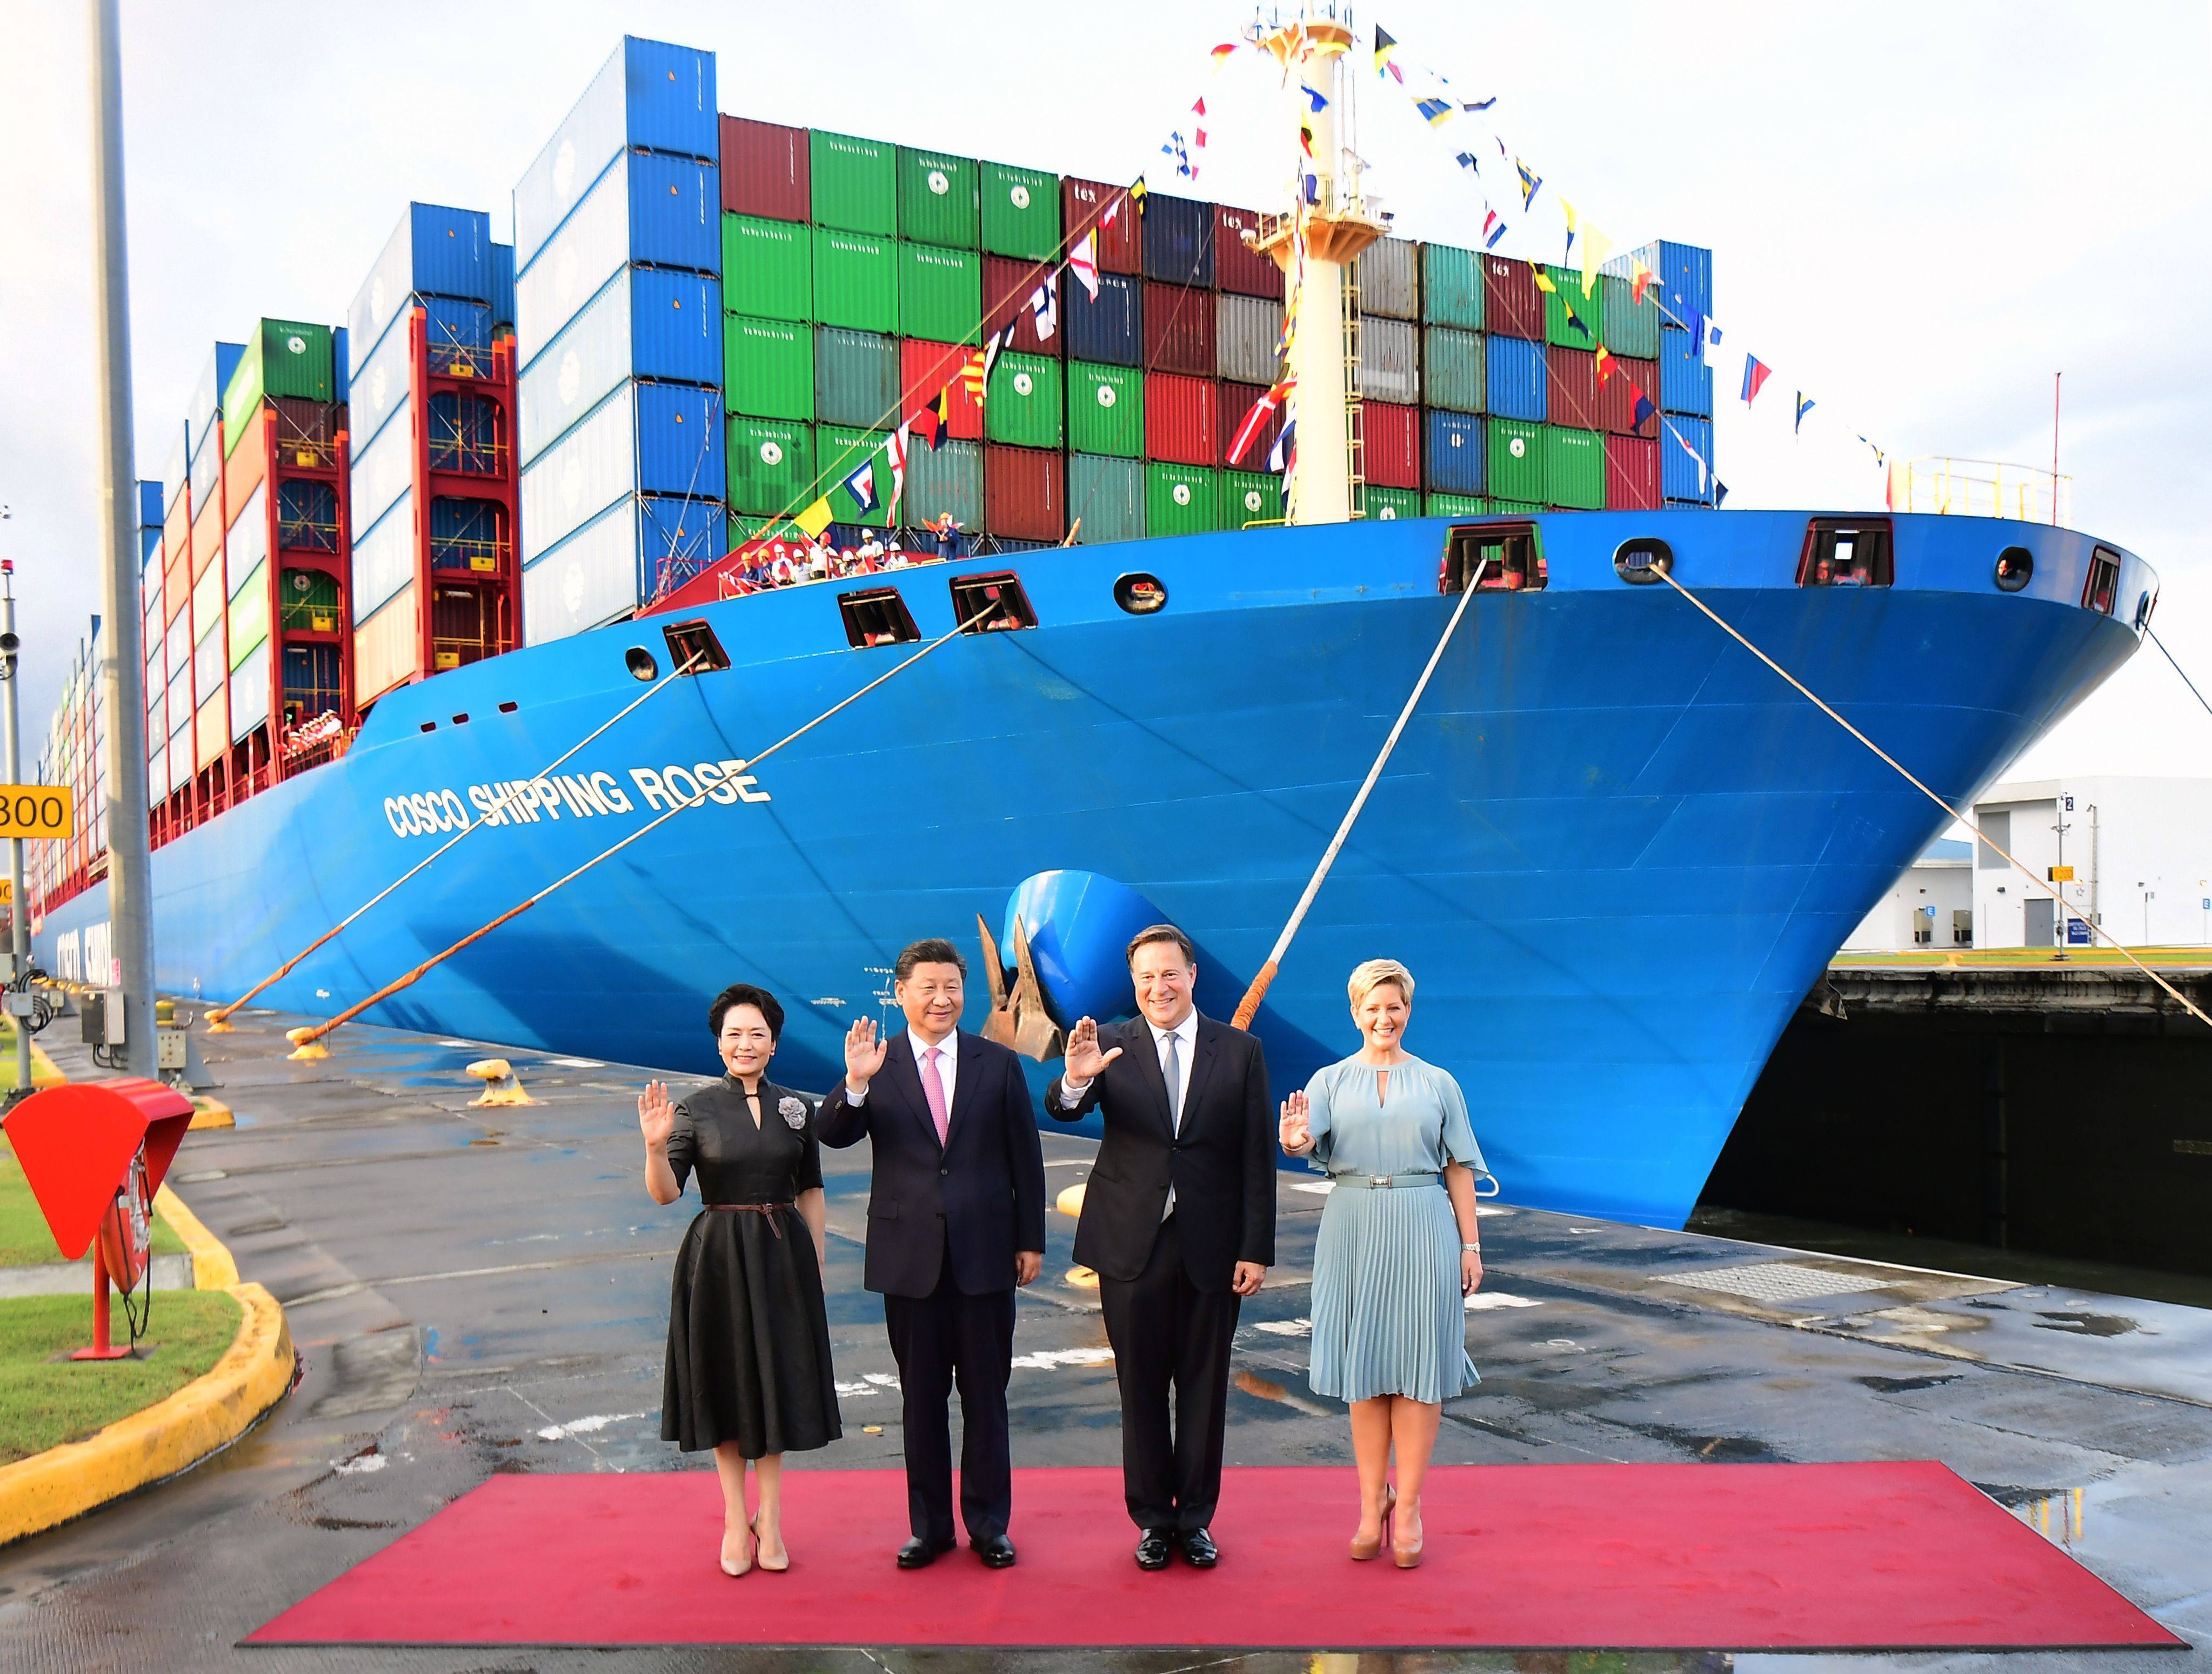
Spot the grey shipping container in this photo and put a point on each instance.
(856, 378)
(1388, 274)
(1390, 361)
(1109, 495)
(1452, 364)
(948, 478)
(1246, 330)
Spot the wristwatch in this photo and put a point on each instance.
(1471, 1248)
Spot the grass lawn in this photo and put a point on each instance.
(42, 1405)
(24, 1239)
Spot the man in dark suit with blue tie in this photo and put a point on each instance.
(956, 1223)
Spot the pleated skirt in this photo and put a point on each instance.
(1388, 1317)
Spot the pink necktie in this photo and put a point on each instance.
(932, 1089)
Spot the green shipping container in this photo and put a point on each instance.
(1021, 212)
(1458, 505)
(249, 615)
(1105, 499)
(1516, 460)
(855, 280)
(283, 357)
(1250, 496)
(1630, 327)
(1387, 505)
(309, 600)
(771, 464)
(1105, 410)
(1181, 499)
(1452, 362)
(767, 368)
(1514, 508)
(855, 183)
(938, 200)
(839, 450)
(1566, 293)
(1021, 406)
(1451, 287)
(856, 378)
(948, 478)
(940, 296)
(1574, 468)
(767, 268)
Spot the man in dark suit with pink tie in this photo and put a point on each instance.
(956, 1223)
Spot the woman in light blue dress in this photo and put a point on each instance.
(1400, 1250)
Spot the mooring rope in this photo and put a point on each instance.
(2065, 912)
(219, 1018)
(307, 1040)
(1248, 1007)
(2177, 669)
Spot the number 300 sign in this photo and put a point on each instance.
(36, 811)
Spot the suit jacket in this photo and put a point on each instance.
(1222, 1164)
(976, 1199)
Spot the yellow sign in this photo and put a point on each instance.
(7, 891)
(36, 811)
(2062, 875)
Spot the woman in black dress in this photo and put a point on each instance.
(748, 1337)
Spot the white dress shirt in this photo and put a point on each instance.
(947, 1070)
(1185, 1034)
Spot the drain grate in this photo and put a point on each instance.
(1775, 1281)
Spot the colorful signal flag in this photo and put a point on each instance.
(1804, 406)
(1384, 46)
(1756, 372)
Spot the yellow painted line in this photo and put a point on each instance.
(210, 1412)
(212, 1266)
(210, 1113)
(44, 1072)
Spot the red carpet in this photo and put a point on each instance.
(1662, 1556)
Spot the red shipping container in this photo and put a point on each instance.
(1631, 474)
(1616, 397)
(1572, 376)
(1237, 265)
(1512, 306)
(1236, 401)
(926, 368)
(764, 170)
(1390, 444)
(1183, 419)
(1025, 493)
(1120, 247)
(1008, 284)
(1178, 331)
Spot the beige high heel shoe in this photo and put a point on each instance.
(1405, 1555)
(1362, 1548)
(737, 1569)
(768, 1567)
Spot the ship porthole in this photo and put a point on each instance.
(1140, 595)
(641, 663)
(1643, 560)
(2014, 565)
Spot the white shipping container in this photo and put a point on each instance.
(211, 665)
(180, 754)
(180, 641)
(1387, 273)
(248, 545)
(382, 471)
(578, 369)
(580, 259)
(590, 579)
(379, 388)
(1390, 361)
(1246, 330)
(249, 693)
(383, 558)
(589, 138)
(581, 476)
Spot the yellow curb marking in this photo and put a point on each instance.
(212, 1266)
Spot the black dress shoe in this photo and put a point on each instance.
(919, 1553)
(997, 1552)
(1152, 1548)
(1198, 1550)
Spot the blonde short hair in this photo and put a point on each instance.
(1373, 973)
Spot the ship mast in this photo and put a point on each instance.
(1329, 223)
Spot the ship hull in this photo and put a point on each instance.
(1615, 851)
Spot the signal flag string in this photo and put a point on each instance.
(218, 1020)
(2066, 912)
(307, 1042)
(1248, 1007)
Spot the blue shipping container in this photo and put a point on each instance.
(502, 284)
(433, 252)
(1686, 275)
(648, 323)
(150, 507)
(1678, 471)
(1685, 382)
(1111, 329)
(679, 440)
(678, 537)
(1455, 447)
(649, 94)
(449, 325)
(1515, 374)
(652, 210)
(1179, 240)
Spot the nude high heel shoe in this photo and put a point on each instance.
(1407, 1556)
(730, 1569)
(1362, 1548)
(761, 1558)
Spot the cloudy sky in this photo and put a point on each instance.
(1919, 214)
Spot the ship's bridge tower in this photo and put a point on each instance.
(1328, 224)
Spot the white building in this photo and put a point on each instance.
(2132, 855)
(1932, 906)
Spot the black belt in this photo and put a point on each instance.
(767, 1211)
